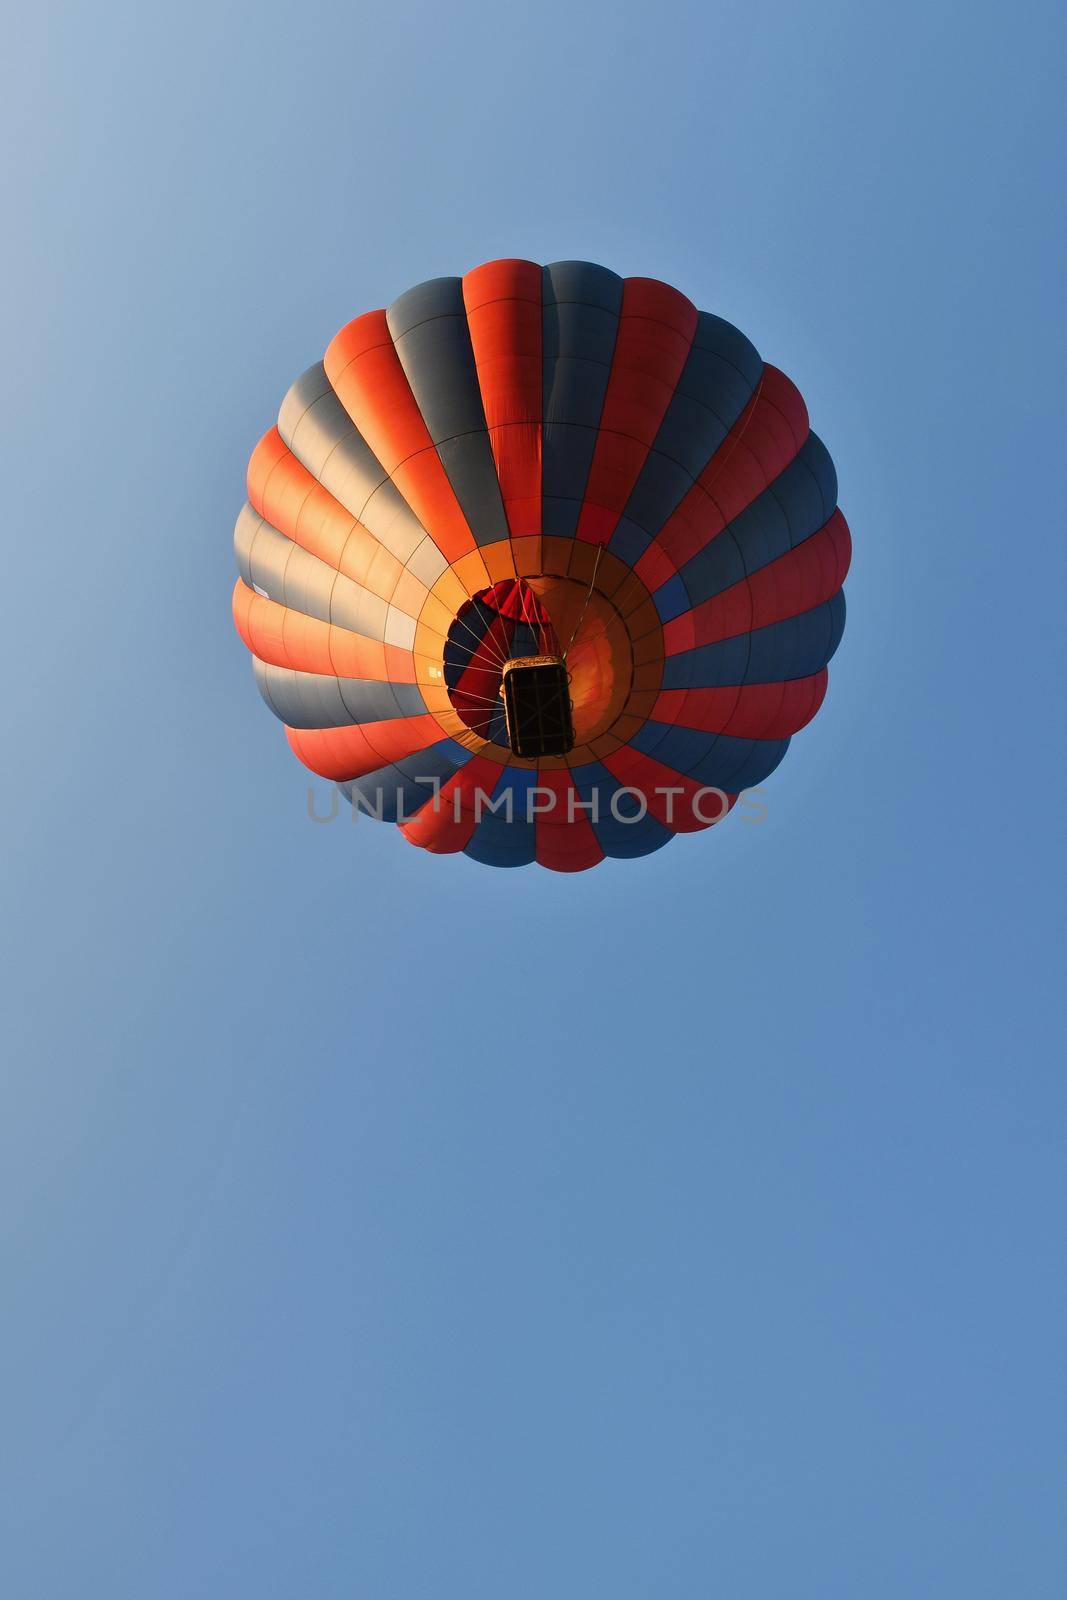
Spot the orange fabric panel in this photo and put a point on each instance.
(286, 495)
(499, 560)
(424, 484)
(503, 303)
(471, 571)
(410, 594)
(267, 453)
(656, 328)
(399, 663)
(555, 555)
(286, 638)
(352, 752)
(746, 711)
(364, 368)
(383, 575)
(450, 591)
(510, 278)
(527, 555)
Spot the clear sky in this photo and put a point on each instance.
(376, 1225)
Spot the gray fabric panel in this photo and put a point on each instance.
(579, 323)
(308, 422)
(314, 700)
(581, 281)
(437, 297)
(471, 470)
(438, 362)
(406, 786)
(320, 433)
(400, 628)
(427, 563)
(292, 576)
(429, 328)
(391, 520)
(244, 533)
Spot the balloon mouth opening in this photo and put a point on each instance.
(556, 619)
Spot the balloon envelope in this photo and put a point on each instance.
(549, 461)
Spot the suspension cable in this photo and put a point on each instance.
(585, 602)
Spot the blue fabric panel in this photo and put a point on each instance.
(735, 764)
(708, 666)
(525, 640)
(716, 567)
(721, 338)
(627, 841)
(629, 542)
(622, 839)
(496, 729)
(796, 505)
(465, 637)
(711, 395)
(662, 482)
(680, 748)
(716, 383)
(714, 759)
(580, 318)
(498, 842)
(497, 849)
(718, 760)
(671, 599)
(794, 648)
(797, 647)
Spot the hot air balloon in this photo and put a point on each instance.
(541, 564)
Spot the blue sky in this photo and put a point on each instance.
(380, 1225)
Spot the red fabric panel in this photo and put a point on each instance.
(560, 844)
(687, 812)
(514, 598)
(656, 329)
(364, 368)
(761, 444)
(813, 571)
(748, 711)
(503, 303)
(350, 752)
(434, 827)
